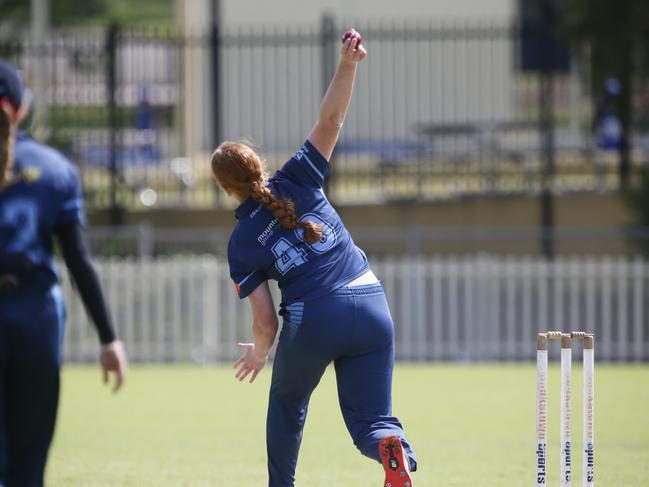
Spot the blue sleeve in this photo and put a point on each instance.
(72, 206)
(245, 279)
(307, 166)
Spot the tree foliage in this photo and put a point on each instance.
(614, 37)
(62, 12)
(75, 12)
(616, 31)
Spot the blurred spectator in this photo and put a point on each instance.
(145, 138)
(608, 127)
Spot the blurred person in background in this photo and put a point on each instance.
(40, 198)
(333, 306)
(145, 136)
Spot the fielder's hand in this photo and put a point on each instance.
(113, 359)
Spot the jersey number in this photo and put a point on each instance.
(328, 239)
(287, 257)
(21, 215)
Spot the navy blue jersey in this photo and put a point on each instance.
(44, 193)
(261, 249)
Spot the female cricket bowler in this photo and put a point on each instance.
(333, 307)
(40, 198)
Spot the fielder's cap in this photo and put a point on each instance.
(11, 86)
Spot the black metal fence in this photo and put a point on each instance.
(440, 111)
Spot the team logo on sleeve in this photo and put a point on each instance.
(328, 239)
(31, 174)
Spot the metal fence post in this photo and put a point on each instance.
(216, 72)
(546, 115)
(328, 57)
(546, 126)
(216, 45)
(113, 122)
(39, 34)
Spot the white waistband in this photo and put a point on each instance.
(367, 278)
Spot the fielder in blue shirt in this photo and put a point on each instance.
(333, 307)
(40, 198)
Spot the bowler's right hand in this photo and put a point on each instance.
(352, 50)
(249, 362)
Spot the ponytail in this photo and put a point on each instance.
(284, 210)
(6, 141)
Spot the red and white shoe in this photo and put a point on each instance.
(395, 462)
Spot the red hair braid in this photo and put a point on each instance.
(239, 169)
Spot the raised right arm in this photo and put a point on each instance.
(335, 103)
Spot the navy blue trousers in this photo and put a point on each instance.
(353, 329)
(31, 329)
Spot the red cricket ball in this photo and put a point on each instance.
(350, 33)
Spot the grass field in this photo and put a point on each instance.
(472, 425)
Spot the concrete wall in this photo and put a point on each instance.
(286, 11)
(500, 226)
(271, 90)
(195, 103)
